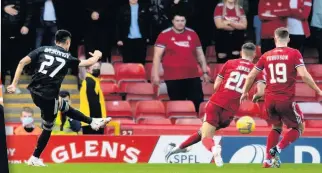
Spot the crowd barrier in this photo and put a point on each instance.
(151, 149)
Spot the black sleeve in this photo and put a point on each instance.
(93, 99)
(34, 55)
(73, 62)
(29, 13)
(3, 144)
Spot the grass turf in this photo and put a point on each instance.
(163, 168)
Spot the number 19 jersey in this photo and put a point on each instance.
(280, 65)
(233, 73)
(51, 64)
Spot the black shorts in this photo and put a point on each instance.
(229, 41)
(48, 107)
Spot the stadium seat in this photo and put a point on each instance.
(149, 109)
(139, 91)
(110, 91)
(124, 121)
(155, 121)
(313, 123)
(119, 109)
(188, 121)
(261, 123)
(116, 58)
(211, 54)
(181, 109)
(150, 50)
(248, 108)
(217, 69)
(304, 93)
(208, 90)
(132, 72)
(212, 70)
(311, 110)
(162, 92)
(315, 71)
(202, 109)
(107, 72)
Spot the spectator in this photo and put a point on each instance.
(92, 101)
(16, 24)
(273, 14)
(316, 26)
(231, 23)
(180, 50)
(63, 124)
(254, 24)
(45, 22)
(27, 127)
(187, 7)
(100, 26)
(297, 23)
(133, 31)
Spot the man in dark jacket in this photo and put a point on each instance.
(133, 31)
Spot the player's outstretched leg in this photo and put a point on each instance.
(95, 123)
(272, 140)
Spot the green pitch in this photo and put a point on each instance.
(164, 168)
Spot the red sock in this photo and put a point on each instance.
(272, 140)
(208, 143)
(289, 138)
(194, 138)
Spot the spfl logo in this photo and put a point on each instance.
(249, 154)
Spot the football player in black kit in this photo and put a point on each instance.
(52, 63)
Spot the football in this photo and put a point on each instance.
(245, 124)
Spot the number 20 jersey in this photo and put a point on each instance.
(51, 64)
(233, 73)
(280, 65)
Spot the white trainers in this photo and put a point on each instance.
(216, 150)
(34, 161)
(98, 123)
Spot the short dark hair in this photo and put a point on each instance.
(64, 94)
(282, 33)
(62, 36)
(249, 46)
(178, 11)
(28, 109)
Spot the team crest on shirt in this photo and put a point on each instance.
(279, 4)
(189, 38)
(268, 4)
(173, 39)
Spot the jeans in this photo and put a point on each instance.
(48, 30)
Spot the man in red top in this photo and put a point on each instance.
(282, 65)
(180, 50)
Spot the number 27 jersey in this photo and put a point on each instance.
(233, 73)
(280, 65)
(51, 64)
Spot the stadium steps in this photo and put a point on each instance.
(15, 102)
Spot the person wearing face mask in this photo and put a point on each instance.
(28, 127)
(92, 101)
(65, 125)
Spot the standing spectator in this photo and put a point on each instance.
(45, 22)
(316, 26)
(273, 14)
(64, 125)
(297, 23)
(92, 101)
(133, 31)
(231, 24)
(100, 26)
(27, 126)
(180, 50)
(187, 7)
(15, 25)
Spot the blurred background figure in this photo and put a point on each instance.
(45, 22)
(27, 126)
(297, 23)
(316, 27)
(133, 31)
(92, 101)
(63, 124)
(231, 23)
(16, 18)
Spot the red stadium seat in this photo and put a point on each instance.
(130, 72)
(304, 93)
(208, 90)
(110, 91)
(155, 121)
(211, 54)
(162, 92)
(181, 109)
(217, 69)
(315, 71)
(116, 58)
(150, 50)
(119, 109)
(313, 123)
(139, 91)
(202, 109)
(248, 108)
(107, 72)
(212, 70)
(188, 121)
(149, 109)
(123, 121)
(311, 110)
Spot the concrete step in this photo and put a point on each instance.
(63, 86)
(26, 98)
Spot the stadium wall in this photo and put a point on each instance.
(151, 149)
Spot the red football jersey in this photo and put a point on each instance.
(179, 59)
(233, 73)
(233, 15)
(280, 65)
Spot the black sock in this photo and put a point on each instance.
(76, 115)
(42, 142)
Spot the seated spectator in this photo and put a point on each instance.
(27, 127)
(65, 125)
(231, 23)
(297, 23)
(316, 26)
